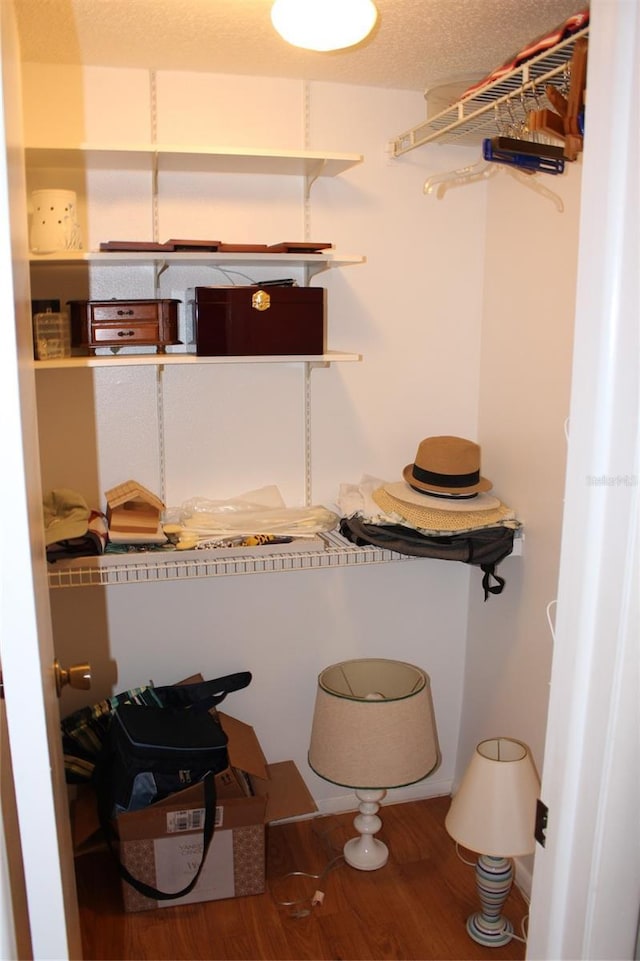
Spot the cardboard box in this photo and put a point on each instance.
(162, 844)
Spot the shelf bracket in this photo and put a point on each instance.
(311, 178)
(161, 266)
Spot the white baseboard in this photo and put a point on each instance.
(524, 876)
(414, 792)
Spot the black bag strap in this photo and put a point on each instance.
(148, 890)
(202, 695)
(489, 575)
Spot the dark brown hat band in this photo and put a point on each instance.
(445, 480)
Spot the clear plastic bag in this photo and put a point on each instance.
(257, 512)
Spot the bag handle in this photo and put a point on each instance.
(207, 835)
(202, 695)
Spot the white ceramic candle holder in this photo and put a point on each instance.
(54, 222)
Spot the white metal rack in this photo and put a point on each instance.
(112, 569)
(477, 116)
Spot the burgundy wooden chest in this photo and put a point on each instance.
(253, 320)
(124, 323)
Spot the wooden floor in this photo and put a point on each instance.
(413, 908)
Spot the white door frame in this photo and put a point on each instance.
(26, 637)
(585, 894)
(586, 882)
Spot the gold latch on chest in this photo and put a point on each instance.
(261, 300)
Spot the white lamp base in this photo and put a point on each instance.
(366, 852)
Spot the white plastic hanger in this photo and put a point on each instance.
(440, 183)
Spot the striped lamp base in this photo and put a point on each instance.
(494, 877)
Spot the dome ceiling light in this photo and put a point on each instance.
(323, 24)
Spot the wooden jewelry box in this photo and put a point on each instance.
(242, 320)
(124, 323)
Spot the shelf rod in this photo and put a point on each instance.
(308, 492)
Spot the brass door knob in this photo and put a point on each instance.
(77, 676)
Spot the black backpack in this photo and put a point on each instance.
(484, 547)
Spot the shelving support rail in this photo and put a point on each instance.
(476, 116)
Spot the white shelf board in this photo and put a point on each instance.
(163, 157)
(113, 569)
(194, 258)
(178, 359)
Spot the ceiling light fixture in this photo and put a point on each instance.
(323, 24)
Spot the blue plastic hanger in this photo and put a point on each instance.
(525, 161)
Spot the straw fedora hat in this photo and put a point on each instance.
(401, 491)
(427, 518)
(446, 465)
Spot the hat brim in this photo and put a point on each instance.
(66, 515)
(439, 521)
(483, 485)
(66, 529)
(408, 495)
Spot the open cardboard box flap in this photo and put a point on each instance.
(286, 793)
(244, 748)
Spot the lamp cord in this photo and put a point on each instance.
(315, 899)
(471, 864)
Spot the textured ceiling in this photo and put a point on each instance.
(416, 44)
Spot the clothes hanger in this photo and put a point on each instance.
(566, 120)
(440, 183)
(531, 181)
(525, 154)
(513, 128)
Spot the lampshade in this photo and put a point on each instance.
(493, 811)
(373, 729)
(323, 24)
(373, 725)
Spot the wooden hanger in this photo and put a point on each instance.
(565, 124)
(575, 100)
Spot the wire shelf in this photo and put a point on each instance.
(474, 117)
(114, 569)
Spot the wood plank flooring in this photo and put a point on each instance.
(413, 909)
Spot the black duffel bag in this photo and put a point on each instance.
(152, 751)
(85, 732)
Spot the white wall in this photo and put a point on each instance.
(525, 375)
(525, 378)
(414, 312)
